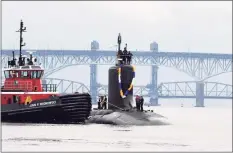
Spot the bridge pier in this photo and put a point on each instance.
(154, 87)
(154, 79)
(93, 74)
(200, 94)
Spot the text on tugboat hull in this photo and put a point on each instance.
(43, 104)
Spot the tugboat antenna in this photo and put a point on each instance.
(21, 30)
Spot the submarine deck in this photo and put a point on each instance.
(131, 117)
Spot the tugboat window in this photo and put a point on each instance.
(34, 74)
(12, 73)
(38, 74)
(6, 74)
(24, 74)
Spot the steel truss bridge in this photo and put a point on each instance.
(186, 89)
(200, 66)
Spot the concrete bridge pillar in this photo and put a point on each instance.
(93, 74)
(200, 94)
(154, 87)
(154, 78)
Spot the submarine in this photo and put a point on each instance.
(120, 110)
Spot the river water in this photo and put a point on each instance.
(191, 129)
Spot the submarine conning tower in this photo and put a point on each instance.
(120, 80)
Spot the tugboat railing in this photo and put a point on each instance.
(49, 87)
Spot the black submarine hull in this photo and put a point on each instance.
(120, 109)
(129, 118)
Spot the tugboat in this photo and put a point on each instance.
(25, 99)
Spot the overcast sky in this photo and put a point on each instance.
(175, 26)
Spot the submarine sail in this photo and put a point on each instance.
(120, 87)
(120, 81)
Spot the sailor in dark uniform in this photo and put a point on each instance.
(120, 57)
(104, 102)
(129, 57)
(125, 54)
(137, 100)
(99, 103)
(141, 103)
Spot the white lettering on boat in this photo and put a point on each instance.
(42, 104)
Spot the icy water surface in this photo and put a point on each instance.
(192, 129)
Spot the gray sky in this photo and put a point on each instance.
(176, 26)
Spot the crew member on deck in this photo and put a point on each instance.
(104, 102)
(99, 103)
(129, 57)
(125, 54)
(120, 57)
(137, 100)
(141, 103)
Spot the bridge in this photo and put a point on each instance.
(185, 89)
(200, 66)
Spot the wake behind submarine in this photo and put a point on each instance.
(120, 110)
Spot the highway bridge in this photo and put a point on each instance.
(200, 66)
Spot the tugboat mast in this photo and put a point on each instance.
(21, 30)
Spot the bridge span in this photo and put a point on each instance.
(185, 89)
(200, 66)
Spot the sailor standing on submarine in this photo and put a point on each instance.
(129, 57)
(99, 103)
(104, 102)
(141, 103)
(125, 54)
(137, 100)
